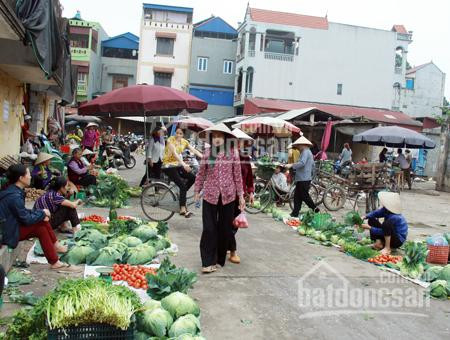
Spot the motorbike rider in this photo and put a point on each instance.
(107, 140)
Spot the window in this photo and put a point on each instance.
(339, 89)
(202, 64)
(82, 77)
(164, 46)
(410, 84)
(228, 67)
(163, 79)
(119, 81)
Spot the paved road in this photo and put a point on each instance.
(259, 298)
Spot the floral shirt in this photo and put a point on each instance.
(223, 180)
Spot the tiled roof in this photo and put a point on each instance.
(399, 29)
(257, 105)
(414, 69)
(290, 19)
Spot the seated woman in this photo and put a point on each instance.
(78, 172)
(176, 169)
(62, 209)
(393, 231)
(21, 223)
(41, 174)
(280, 179)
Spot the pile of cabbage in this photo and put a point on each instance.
(440, 281)
(95, 248)
(176, 316)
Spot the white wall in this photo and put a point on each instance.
(428, 93)
(362, 59)
(181, 54)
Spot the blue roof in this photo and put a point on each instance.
(216, 25)
(169, 8)
(126, 40)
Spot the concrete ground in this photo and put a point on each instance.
(268, 295)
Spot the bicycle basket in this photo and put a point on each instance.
(264, 171)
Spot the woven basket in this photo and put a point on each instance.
(438, 254)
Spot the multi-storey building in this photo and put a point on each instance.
(85, 46)
(307, 58)
(165, 45)
(119, 61)
(211, 76)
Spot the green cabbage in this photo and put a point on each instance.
(179, 304)
(95, 238)
(141, 336)
(145, 233)
(118, 245)
(301, 230)
(131, 241)
(78, 254)
(142, 254)
(190, 337)
(156, 322)
(432, 273)
(152, 305)
(106, 256)
(439, 289)
(187, 324)
(445, 273)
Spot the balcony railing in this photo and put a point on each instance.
(404, 36)
(169, 25)
(278, 56)
(81, 88)
(251, 53)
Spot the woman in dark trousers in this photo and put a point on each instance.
(176, 169)
(22, 223)
(393, 231)
(62, 209)
(220, 180)
(245, 143)
(155, 154)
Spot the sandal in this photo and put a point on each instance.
(188, 214)
(208, 270)
(67, 268)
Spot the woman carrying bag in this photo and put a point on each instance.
(220, 180)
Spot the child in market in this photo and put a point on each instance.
(280, 180)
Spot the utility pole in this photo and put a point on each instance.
(443, 159)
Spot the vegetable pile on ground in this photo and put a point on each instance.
(110, 191)
(440, 281)
(73, 303)
(135, 276)
(415, 257)
(94, 218)
(385, 259)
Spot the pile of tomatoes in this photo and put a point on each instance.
(293, 223)
(383, 259)
(94, 218)
(124, 218)
(133, 275)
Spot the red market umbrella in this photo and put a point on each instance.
(322, 155)
(142, 100)
(194, 123)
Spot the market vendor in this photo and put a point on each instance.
(393, 231)
(89, 158)
(41, 174)
(89, 136)
(22, 223)
(62, 210)
(26, 129)
(78, 172)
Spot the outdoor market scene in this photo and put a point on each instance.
(185, 182)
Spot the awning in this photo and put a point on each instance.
(163, 69)
(166, 35)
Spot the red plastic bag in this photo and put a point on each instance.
(240, 221)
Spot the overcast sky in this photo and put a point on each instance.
(429, 20)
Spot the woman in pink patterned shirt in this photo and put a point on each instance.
(220, 180)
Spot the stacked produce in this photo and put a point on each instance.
(111, 191)
(440, 281)
(415, 257)
(32, 194)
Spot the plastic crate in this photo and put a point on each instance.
(92, 331)
(437, 254)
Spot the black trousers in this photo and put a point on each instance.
(217, 221)
(232, 244)
(64, 214)
(87, 180)
(301, 195)
(388, 229)
(184, 180)
(153, 171)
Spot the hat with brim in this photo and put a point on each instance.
(391, 201)
(27, 117)
(42, 157)
(91, 124)
(301, 141)
(239, 134)
(216, 128)
(87, 152)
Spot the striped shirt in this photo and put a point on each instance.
(51, 200)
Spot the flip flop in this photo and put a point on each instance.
(188, 214)
(67, 268)
(209, 270)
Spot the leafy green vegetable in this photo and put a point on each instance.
(78, 254)
(179, 304)
(145, 232)
(15, 295)
(142, 254)
(439, 289)
(157, 322)
(432, 274)
(190, 337)
(131, 241)
(445, 273)
(169, 279)
(94, 238)
(121, 227)
(28, 323)
(106, 256)
(414, 259)
(187, 324)
(110, 191)
(17, 278)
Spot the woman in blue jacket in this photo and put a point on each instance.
(393, 231)
(20, 223)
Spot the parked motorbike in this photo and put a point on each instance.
(119, 155)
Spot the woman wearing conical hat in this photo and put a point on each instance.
(41, 174)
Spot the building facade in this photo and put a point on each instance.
(165, 45)
(306, 58)
(119, 62)
(211, 75)
(85, 46)
(423, 94)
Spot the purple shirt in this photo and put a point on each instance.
(51, 200)
(76, 168)
(89, 138)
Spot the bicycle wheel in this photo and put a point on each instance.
(334, 198)
(158, 202)
(263, 197)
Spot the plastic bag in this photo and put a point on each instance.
(437, 240)
(240, 221)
